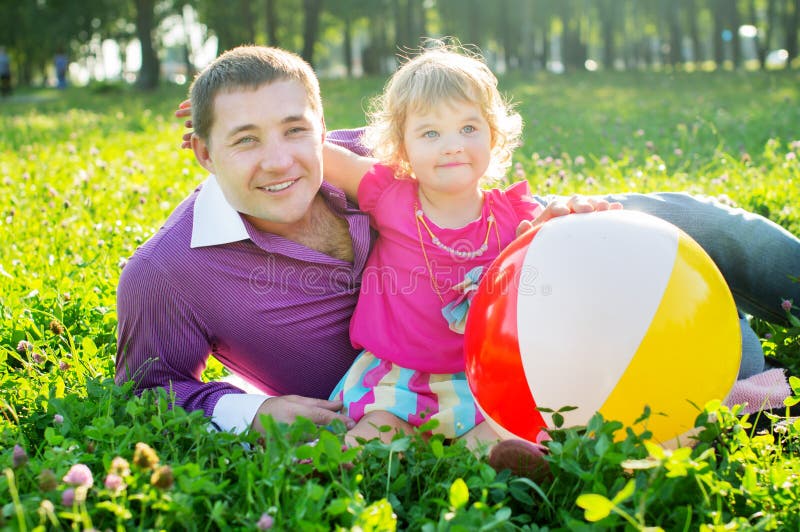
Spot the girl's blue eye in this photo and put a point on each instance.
(468, 129)
(430, 134)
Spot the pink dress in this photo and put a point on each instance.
(398, 319)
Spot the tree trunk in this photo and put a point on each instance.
(719, 26)
(736, 42)
(310, 28)
(675, 37)
(247, 21)
(272, 22)
(694, 33)
(475, 22)
(527, 37)
(505, 32)
(348, 44)
(422, 26)
(145, 24)
(607, 19)
(763, 50)
(187, 49)
(792, 20)
(757, 41)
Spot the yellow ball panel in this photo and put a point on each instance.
(690, 353)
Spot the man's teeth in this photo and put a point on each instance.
(281, 186)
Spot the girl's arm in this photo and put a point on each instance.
(344, 169)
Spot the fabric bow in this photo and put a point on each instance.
(455, 312)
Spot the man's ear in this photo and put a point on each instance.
(201, 153)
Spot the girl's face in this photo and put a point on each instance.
(448, 147)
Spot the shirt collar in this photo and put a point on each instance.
(215, 222)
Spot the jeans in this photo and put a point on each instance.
(756, 256)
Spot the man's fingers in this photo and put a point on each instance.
(323, 416)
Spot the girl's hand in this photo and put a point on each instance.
(575, 204)
(185, 109)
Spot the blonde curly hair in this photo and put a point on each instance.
(442, 73)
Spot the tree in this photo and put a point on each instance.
(792, 21)
(272, 22)
(694, 33)
(311, 9)
(674, 55)
(145, 25)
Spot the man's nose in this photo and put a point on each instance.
(276, 156)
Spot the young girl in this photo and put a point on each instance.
(440, 130)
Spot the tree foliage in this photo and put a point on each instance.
(367, 35)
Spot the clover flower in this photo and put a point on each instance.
(19, 457)
(786, 304)
(145, 456)
(162, 477)
(24, 346)
(114, 483)
(79, 475)
(58, 419)
(56, 327)
(120, 466)
(68, 497)
(266, 522)
(47, 480)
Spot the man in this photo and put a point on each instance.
(261, 266)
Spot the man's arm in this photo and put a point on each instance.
(162, 344)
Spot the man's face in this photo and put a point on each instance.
(265, 147)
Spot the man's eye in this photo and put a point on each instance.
(245, 140)
(468, 129)
(430, 134)
(296, 130)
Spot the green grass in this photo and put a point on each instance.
(87, 175)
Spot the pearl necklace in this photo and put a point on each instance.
(419, 217)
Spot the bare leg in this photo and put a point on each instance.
(367, 427)
(481, 436)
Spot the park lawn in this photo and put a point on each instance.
(88, 174)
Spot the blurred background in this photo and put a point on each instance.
(147, 42)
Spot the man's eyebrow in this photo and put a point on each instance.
(249, 127)
(239, 129)
(294, 118)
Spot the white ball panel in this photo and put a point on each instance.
(590, 287)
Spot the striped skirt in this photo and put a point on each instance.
(372, 384)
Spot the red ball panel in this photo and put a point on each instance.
(494, 366)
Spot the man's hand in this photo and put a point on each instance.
(287, 408)
(574, 205)
(184, 110)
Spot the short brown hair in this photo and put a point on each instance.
(441, 73)
(247, 67)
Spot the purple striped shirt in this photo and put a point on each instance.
(272, 311)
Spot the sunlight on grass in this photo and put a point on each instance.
(87, 176)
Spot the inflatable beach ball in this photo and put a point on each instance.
(608, 312)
